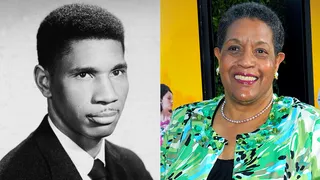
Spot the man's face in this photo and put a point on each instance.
(89, 88)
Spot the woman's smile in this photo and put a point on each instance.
(246, 79)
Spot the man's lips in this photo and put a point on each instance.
(107, 113)
(103, 117)
(244, 78)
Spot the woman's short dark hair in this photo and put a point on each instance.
(71, 23)
(252, 10)
(164, 89)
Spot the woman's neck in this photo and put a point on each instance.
(164, 116)
(237, 110)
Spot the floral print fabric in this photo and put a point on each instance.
(286, 146)
(163, 128)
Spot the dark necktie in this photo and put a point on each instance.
(98, 172)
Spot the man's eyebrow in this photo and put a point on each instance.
(84, 69)
(120, 66)
(94, 70)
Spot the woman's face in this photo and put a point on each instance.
(247, 60)
(167, 102)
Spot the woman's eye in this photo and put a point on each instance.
(261, 51)
(233, 48)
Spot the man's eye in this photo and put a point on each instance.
(84, 75)
(117, 72)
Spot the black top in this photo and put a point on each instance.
(222, 170)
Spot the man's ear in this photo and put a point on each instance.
(42, 79)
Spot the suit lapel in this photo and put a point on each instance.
(58, 160)
(114, 166)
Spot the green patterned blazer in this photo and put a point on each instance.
(286, 146)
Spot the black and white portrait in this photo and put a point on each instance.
(101, 88)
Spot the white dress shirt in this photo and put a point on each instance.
(80, 158)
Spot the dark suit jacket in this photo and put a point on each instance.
(42, 157)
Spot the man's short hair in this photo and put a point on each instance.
(70, 23)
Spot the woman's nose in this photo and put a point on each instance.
(247, 59)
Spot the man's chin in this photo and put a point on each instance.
(102, 131)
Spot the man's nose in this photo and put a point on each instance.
(104, 92)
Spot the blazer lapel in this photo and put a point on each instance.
(114, 166)
(58, 160)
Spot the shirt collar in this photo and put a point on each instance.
(80, 158)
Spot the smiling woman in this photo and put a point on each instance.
(249, 132)
(248, 61)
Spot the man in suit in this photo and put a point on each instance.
(83, 75)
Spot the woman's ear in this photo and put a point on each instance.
(42, 79)
(217, 53)
(280, 57)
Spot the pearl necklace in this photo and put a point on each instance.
(245, 120)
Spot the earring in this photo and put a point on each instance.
(218, 71)
(276, 75)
